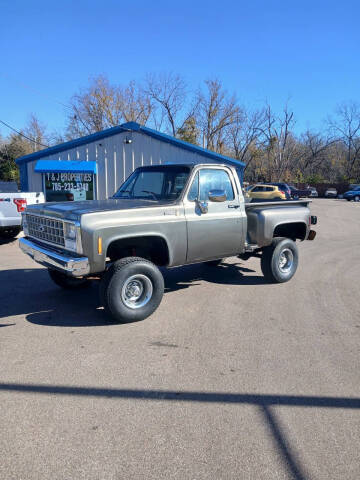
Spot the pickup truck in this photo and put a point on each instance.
(162, 216)
(12, 204)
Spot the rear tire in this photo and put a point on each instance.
(279, 261)
(131, 290)
(65, 281)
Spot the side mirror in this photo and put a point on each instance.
(202, 206)
(217, 196)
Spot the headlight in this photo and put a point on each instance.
(70, 231)
(70, 234)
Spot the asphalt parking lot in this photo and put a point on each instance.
(231, 378)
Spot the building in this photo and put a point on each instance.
(93, 167)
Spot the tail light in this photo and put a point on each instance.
(70, 197)
(282, 191)
(20, 204)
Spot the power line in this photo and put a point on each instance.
(19, 133)
(38, 92)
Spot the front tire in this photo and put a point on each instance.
(131, 290)
(279, 261)
(356, 198)
(65, 281)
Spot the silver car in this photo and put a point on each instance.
(331, 193)
(313, 192)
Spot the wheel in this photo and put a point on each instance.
(10, 232)
(65, 281)
(348, 199)
(131, 289)
(214, 263)
(279, 261)
(356, 198)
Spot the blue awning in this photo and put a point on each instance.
(61, 166)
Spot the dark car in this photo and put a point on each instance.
(283, 187)
(353, 194)
(313, 192)
(298, 192)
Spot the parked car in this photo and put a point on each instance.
(353, 194)
(266, 192)
(284, 187)
(297, 193)
(12, 204)
(331, 193)
(163, 215)
(313, 192)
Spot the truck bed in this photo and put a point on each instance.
(284, 218)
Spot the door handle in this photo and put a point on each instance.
(233, 206)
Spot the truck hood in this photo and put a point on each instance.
(74, 210)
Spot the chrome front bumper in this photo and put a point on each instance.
(73, 266)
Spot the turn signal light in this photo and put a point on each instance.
(20, 204)
(100, 246)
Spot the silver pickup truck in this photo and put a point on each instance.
(162, 216)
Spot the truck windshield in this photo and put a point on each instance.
(155, 183)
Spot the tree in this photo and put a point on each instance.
(189, 132)
(280, 143)
(135, 104)
(314, 150)
(245, 134)
(168, 93)
(95, 108)
(346, 127)
(15, 146)
(103, 105)
(36, 131)
(215, 113)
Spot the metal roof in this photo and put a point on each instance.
(128, 127)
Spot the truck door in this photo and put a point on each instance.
(218, 232)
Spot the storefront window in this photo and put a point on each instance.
(68, 186)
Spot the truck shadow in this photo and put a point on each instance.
(223, 274)
(30, 292)
(7, 241)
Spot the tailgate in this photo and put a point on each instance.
(13, 204)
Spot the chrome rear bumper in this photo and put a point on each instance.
(73, 266)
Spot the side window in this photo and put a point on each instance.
(194, 189)
(213, 179)
(257, 189)
(269, 189)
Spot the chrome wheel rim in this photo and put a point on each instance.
(286, 260)
(137, 291)
(356, 198)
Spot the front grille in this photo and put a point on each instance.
(47, 229)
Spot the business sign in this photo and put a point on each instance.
(68, 186)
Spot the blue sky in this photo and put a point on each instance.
(264, 51)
